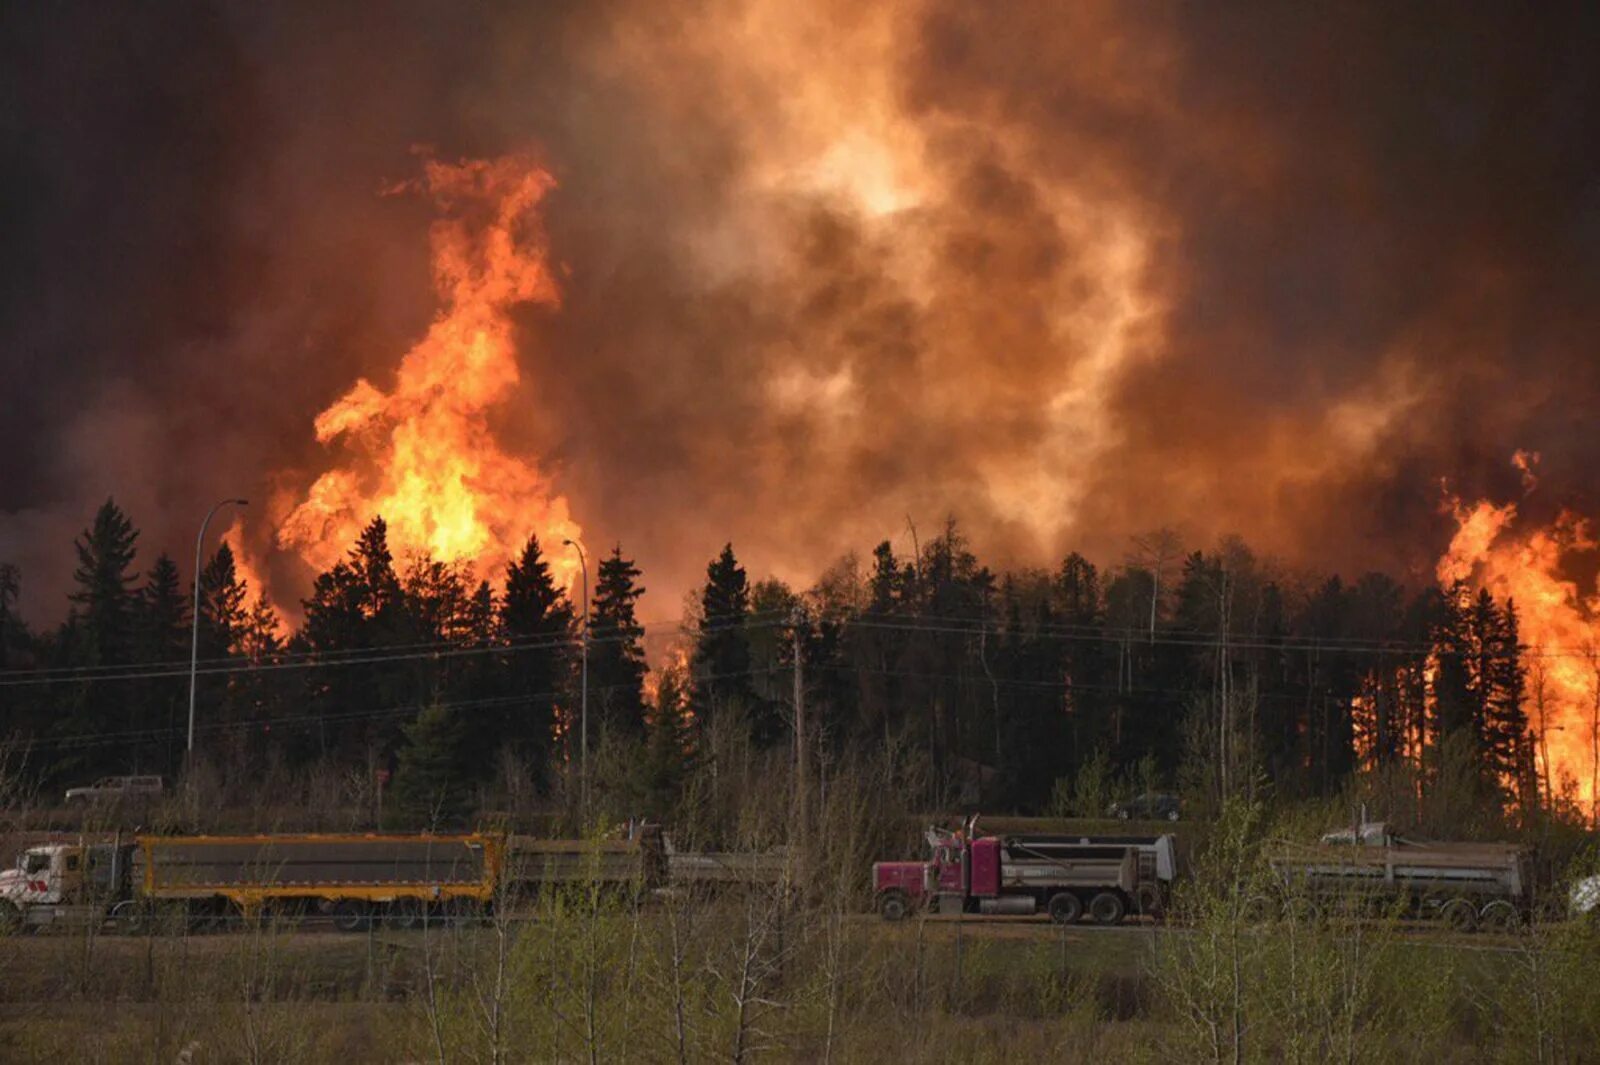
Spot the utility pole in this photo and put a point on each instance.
(194, 636)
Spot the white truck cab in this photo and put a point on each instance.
(52, 882)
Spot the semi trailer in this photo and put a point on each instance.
(139, 882)
(1466, 885)
(354, 879)
(1063, 876)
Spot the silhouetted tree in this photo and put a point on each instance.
(721, 668)
(537, 624)
(617, 664)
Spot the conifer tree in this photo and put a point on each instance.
(536, 622)
(162, 637)
(104, 578)
(358, 605)
(616, 651)
(721, 667)
(99, 631)
(223, 615)
(11, 628)
(662, 770)
(431, 786)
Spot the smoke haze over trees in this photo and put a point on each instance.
(1070, 274)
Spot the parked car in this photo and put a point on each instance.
(1151, 806)
(116, 789)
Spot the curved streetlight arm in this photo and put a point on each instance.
(194, 635)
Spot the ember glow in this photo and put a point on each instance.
(423, 454)
(1560, 623)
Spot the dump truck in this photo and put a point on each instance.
(1467, 885)
(355, 880)
(1063, 876)
(200, 880)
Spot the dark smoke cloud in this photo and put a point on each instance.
(1345, 252)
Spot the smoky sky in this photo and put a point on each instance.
(1067, 272)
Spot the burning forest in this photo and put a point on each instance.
(1035, 302)
(648, 407)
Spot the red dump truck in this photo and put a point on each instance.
(1065, 876)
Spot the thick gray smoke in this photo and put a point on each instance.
(1067, 272)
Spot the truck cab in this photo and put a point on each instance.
(53, 882)
(1023, 875)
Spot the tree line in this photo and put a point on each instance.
(1212, 672)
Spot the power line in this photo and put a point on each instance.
(313, 660)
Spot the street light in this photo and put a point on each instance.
(194, 637)
(583, 716)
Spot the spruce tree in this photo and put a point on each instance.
(721, 669)
(616, 651)
(356, 606)
(11, 629)
(223, 615)
(162, 637)
(536, 622)
(432, 788)
(100, 631)
(104, 580)
(661, 772)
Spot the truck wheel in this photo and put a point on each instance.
(402, 914)
(1172, 816)
(350, 915)
(1107, 908)
(1148, 899)
(1065, 907)
(893, 906)
(1460, 915)
(1499, 916)
(131, 918)
(10, 918)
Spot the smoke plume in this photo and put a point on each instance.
(1065, 271)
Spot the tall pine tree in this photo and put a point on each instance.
(721, 669)
(536, 621)
(616, 650)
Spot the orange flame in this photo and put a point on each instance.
(1560, 625)
(423, 454)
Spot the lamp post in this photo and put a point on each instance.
(583, 713)
(194, 637)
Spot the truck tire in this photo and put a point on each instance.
(350, 915)
(131, 918)
(10, 918)
(1147, 899)
(1499, 916)
(1459, 915)
(894, 906)
(1108, 908)
(404, 914)
(1065, 907)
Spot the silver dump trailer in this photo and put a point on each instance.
(1466, 885)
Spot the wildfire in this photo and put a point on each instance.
(1560, 625)
(423, 453)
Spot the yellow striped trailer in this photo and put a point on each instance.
(399, 879)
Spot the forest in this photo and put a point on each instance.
(1210, 672)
